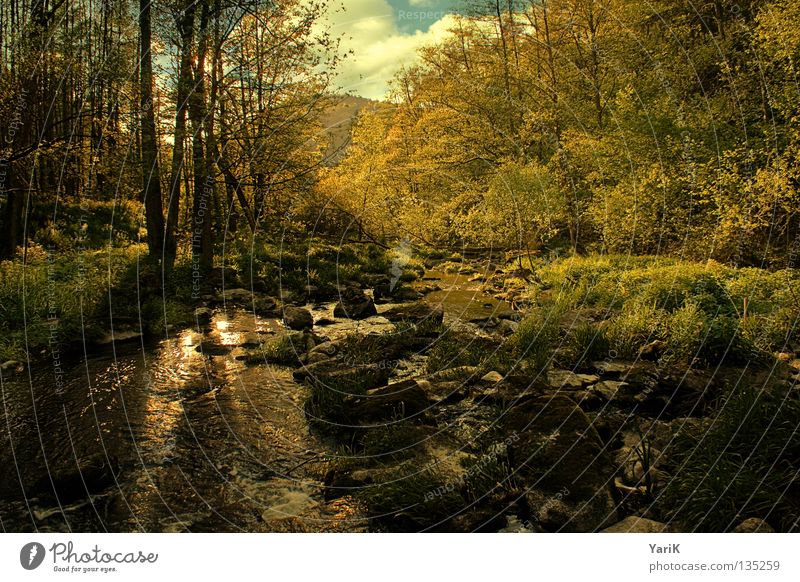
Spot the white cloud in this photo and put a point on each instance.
(380, 49)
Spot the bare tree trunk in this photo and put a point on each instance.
(151, 175)
(185, 25)
(202, 240)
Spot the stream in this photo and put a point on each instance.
(180, 435)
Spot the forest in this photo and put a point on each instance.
(568, 234)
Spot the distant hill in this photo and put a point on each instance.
(338, 121)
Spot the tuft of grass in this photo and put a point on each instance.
(747, 464)
(414, 499)
(535, 339)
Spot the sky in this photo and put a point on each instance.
(384, 35)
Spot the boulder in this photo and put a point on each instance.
(236, 296)
(556, 449)
(415, 312)
(633, 524)
(754, 525)
(297, 318)
(393, 402)
(354, 304)
(334, 371)
(203, 315)
(266, 306)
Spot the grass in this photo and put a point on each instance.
(294, 265)
(68, 294)
(702, 312)
(412, 499)
(747, 464)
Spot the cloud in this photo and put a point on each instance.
(370, 30)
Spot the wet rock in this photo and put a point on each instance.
(557, 449)
(266, 306)
(395, 401)
(566, 380)
(240, 296)
(415, 312)
(212, 349)
(405, 293)
(203, 315)
(338, 372)
(754, 525)
(81, 479)
(297, 318)
(119, 335)
(354, 304)
(339, 482)
(12, 366)
(633, 524)
(251, 340)
(492, 377)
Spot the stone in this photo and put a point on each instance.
(237, 296)
(354, 304)
(566, 380)
(297, 318)
(415, 312)
(332, 370)
(119, 335)
(203, 315)
(610, 368)
(12, 366)
(631, 466)
(557, 447)
(608, 389)
(633, 524)
(754, 525)
(266, 306)
(492, 377)
(396, 401)
(563, 511)
(653, 350)
(444, 392)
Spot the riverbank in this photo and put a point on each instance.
(580, 394)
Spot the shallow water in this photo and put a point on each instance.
(198, 442)
(463, 299)
(180, 435)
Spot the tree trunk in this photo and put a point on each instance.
(151, 175)
(202, 241)
(185, 25)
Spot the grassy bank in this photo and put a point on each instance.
(68, 296)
